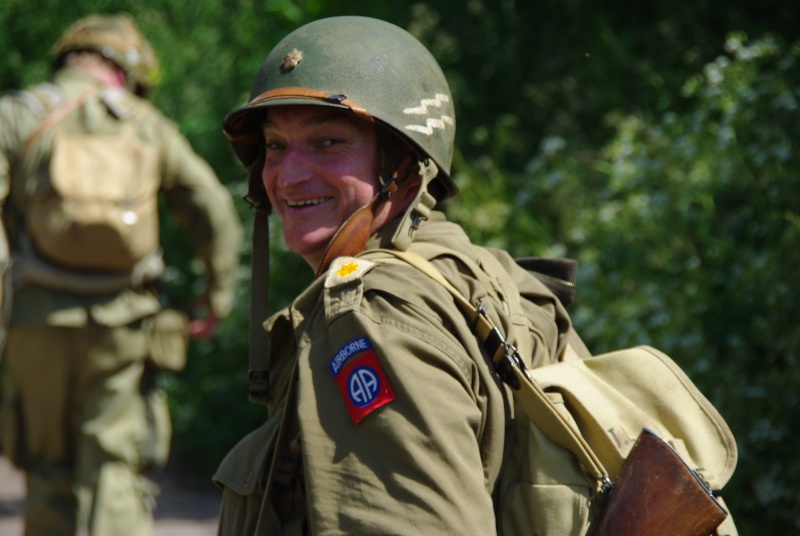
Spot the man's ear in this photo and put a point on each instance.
(409, 193)
(392, 151)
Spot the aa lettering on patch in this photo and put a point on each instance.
(361, 379)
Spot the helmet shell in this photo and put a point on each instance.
(118, 39)
(374, 68)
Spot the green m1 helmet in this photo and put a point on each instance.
(118, 39)
(375, 69)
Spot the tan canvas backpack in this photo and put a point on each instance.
(94, 207)
(584, 417)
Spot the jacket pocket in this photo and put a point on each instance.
(156, 450)
(548, 510)
(242, 478)
(548, 493)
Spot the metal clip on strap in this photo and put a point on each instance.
(504, 356)
(512, 369)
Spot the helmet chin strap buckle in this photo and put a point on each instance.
(403, 172)
(419, 218)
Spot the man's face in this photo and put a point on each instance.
(321, 166)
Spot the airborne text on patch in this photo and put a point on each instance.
(353, 347)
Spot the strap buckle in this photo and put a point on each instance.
(504, 363)
(505, 368)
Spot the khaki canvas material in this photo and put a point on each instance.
(597, 407)
(97, 208)
(611, 397)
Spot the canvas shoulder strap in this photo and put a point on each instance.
(512, 369)
(58, 114)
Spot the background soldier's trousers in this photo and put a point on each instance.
(82, 417)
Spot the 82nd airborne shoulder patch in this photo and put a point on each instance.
(361, 378)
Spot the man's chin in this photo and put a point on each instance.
(309, 246)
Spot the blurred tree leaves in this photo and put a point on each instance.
(655, 142)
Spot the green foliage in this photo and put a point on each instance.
(656, 145)
(692, 244)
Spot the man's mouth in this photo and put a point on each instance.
(307, 202)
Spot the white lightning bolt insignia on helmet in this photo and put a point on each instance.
(422, 109)
(430, 124)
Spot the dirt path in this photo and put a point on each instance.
(182, 510)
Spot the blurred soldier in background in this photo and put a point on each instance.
(83, 158)
(5, 285)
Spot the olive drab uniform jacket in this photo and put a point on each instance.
(192, 191)
(386, 416)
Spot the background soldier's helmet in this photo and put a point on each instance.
(118, 39)
(374, 68)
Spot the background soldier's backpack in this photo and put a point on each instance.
(92, 205)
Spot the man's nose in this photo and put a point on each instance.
(295, 167)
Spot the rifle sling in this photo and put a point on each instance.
(533, 399)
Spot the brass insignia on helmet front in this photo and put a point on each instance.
(291, 60)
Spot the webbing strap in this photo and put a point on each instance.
(55, 117)
(534, 401)
(258, 376)
(27, 268)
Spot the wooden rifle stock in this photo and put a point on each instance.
(657, 494)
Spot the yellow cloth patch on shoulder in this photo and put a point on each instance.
(346, 269)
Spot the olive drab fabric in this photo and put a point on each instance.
(96, 433)
(194, 197)
(490, 470)
(80, 410)
(435, 448)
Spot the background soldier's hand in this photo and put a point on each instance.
(203, 328)
(204, 322)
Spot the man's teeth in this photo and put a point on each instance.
(307, 202)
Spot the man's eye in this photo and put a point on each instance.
(330, 142)
(273, 146)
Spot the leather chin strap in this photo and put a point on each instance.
(352, 236)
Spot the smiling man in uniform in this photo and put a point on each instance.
(386, 414)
